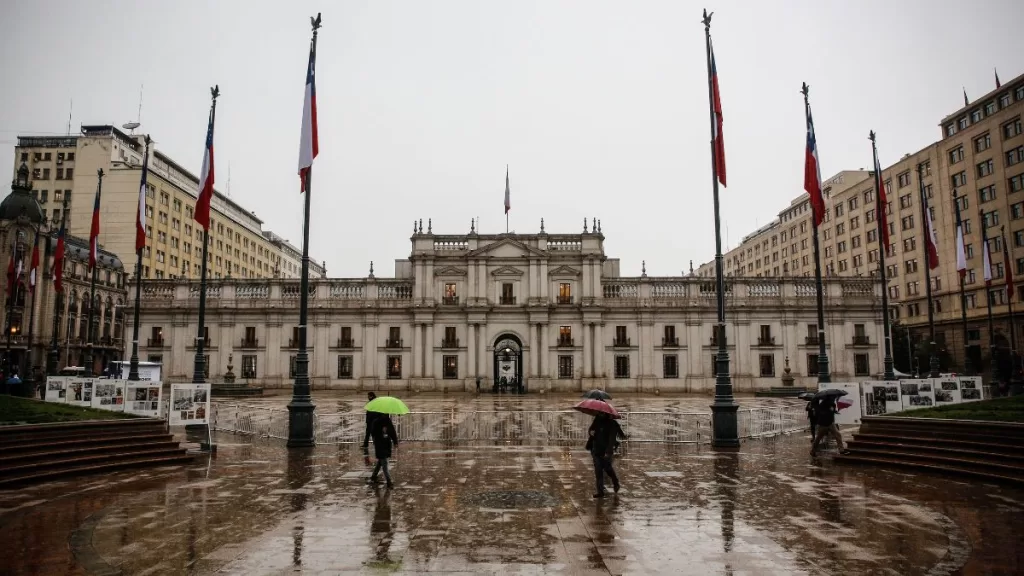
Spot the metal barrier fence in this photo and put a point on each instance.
(533, 425)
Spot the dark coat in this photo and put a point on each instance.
(606, 435)
(825, 413)
(382, 430)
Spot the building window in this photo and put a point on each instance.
(450, 367)
(985, 168)
(911, 265)
(990, 218)
(767, 363)
(959, 179)
(564, 293)
(956, 154)
(1016, 184)
(670, 366)
(249, 366)
(812, 364)
(508, 293)
(565, 366)
(344, 367)
(621, 366)
(1012, 128)
(903, 180)
(451, 297)
(565, 336)
(986, 194)
(861, 367)
(983, 142)
(1015, 156)
(394, 367)
(907, 222)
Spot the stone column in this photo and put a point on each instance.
(483, 286)
(586, 350)
(542, 340)
(544, 283)
(534, 290)
(599, 350)
(480, 348)
(470, 282)
(428, 353)
(471, 349)
(585, 286)
(428, 281)
(417, 350)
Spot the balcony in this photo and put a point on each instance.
(672, 342)
(450, 301)
(565, 342)
(811, 340)
(393, 344)
(563, 300)
(453, 343)
(346, 343)
(861, 340)
(507, 300)
(250, 343)
(620, 343)
(155, 342)
(766, 341)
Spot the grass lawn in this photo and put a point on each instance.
(14, 410)
(996, 410)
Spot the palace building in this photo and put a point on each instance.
(547, 311)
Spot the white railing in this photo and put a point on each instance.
(526, 425)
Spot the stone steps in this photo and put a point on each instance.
(36, 453)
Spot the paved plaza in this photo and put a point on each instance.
(513, 508)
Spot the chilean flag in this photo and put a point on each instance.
(58, 261)
(930, 243)
(882, 204)
(202, 213)
(719, 137)
(812, 173)
(309, 145)
(961, 254)
(986, 263)
(94, 233)
(34, 266)
(140, 218)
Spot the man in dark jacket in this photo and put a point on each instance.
(370, 416)
(825, 415)
(384, 435)
(604, 435)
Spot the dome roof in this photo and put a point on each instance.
(20, 202)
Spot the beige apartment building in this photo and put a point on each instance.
(66, 166)
(981, 156)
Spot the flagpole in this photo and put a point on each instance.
(53, 357)
(1009, 304)
(933, 357)
(12, 294)
(32, 311)
(823, 366)
(300, 409)
(882, 221)
(92, 288)
(968, 369)
(724, 407)
(133, 363)
(988, 293)
(199, 364)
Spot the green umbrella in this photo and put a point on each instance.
(387, 405)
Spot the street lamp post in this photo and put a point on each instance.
(53, 357)
(92, 280)
(133, 363)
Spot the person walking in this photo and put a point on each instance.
(825, 415)
(384, 435)
(812, 407)
(604, 434)
(370, 416)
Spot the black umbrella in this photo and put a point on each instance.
(807, 396)
(597, 395)
(830, 392)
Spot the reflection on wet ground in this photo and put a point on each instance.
(257, 508)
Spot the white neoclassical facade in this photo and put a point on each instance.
(549, 310)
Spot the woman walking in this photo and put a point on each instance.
(382, 430)
(604, 434)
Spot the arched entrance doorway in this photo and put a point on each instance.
(508, 364)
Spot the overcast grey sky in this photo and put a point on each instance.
(598, 107)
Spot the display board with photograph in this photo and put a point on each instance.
(881, 397)
(971, 389)
(143, 398)
(56, 389)
(108, 395)
(190, 404)
(917, 393)
(849, 416)
(80, 391)
(947, 391)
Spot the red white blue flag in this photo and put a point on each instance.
(881, 207)
(140, 219)
(202, 213)
(717, 109)
(309, 145)
(58, 260)
(812, 173)
(94, 233)
(961, 252)
(931, 244)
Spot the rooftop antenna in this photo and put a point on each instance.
(71, 108)
(138, 119)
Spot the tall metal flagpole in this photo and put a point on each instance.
(823, 369)
(933, 357)
(199, 365)
(133, 366)
(968, 368)
(300, 409)
(988, 293)
(32, 311)
(882, 221)
(53, 358)
(1009, 304)
(723, 409)
(12, 295)
(92, 289)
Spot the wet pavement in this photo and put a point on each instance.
(258, 508)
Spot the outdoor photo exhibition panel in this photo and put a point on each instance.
(190, 404)
(80, 391)
(971, 389)
(108, 395)
(917, 393)
(947, 391)
(881, 397)
(847, 416)
(143, 398)
(56, 389)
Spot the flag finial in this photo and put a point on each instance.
(707, 19)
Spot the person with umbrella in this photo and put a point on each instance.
(383, 432)
(603, 435)
(370, 416)
(812, 406)
(825, 418)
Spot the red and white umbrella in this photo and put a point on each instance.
(594, 407)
